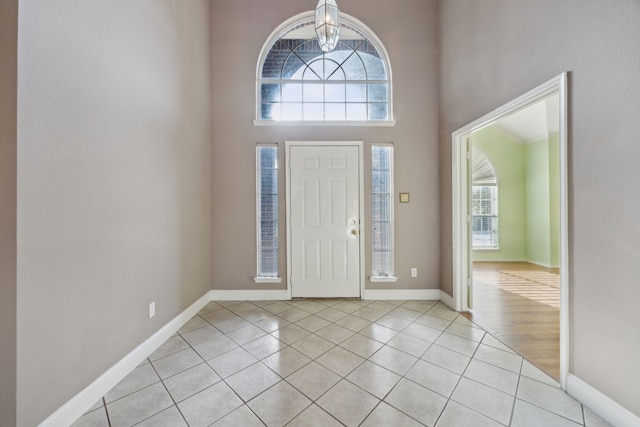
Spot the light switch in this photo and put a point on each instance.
(404, 197)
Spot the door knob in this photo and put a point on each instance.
(353, 232)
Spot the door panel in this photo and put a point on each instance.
(311, 259)
(311, 205)
(339, 260)
(338, 203)
(325, 225)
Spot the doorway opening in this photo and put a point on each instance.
(511, 240)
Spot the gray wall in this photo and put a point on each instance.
(114, 185)
(239, 29)
(8, 92)
(494, 50)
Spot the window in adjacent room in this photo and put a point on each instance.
(298, 82)
(382, 201)
(484, 202)
(267, 212)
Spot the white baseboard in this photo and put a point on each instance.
(369, 294)
(542, 264)
(250, 295)
(83, 401)
(606, 408)
(447, 300)
(401, 294)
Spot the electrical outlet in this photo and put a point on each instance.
(414, 272)
(152, 309)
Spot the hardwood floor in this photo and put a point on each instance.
(520, 304)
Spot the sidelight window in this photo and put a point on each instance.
(267, 212)
(382, 212)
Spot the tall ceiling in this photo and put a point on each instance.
(533, 123)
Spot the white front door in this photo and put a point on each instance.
(324, 220)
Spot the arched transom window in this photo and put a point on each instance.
(297, 81)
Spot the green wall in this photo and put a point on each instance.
(537, 221)
(542, 160)
(528, 198)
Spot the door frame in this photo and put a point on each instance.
(361, 241)
(460, 208)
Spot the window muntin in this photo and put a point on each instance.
(299, 82)
(267, 209)
(484, 203)
(382, 200)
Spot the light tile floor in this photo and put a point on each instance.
(332, 363)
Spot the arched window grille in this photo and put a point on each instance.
(297, 81)
(484, 202)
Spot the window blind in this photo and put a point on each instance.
(382, 210)
(267, 210)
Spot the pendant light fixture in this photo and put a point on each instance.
(327, 24)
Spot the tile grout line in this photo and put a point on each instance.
(460, 376)
(347, 374)
(449, 399)
(169, 393)
(104, 402)
(515, 398)
(184, 370)
(310, 333)
(282, 379)
(368, 360)
(223, 380)
(402, 377)
(288, 345)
